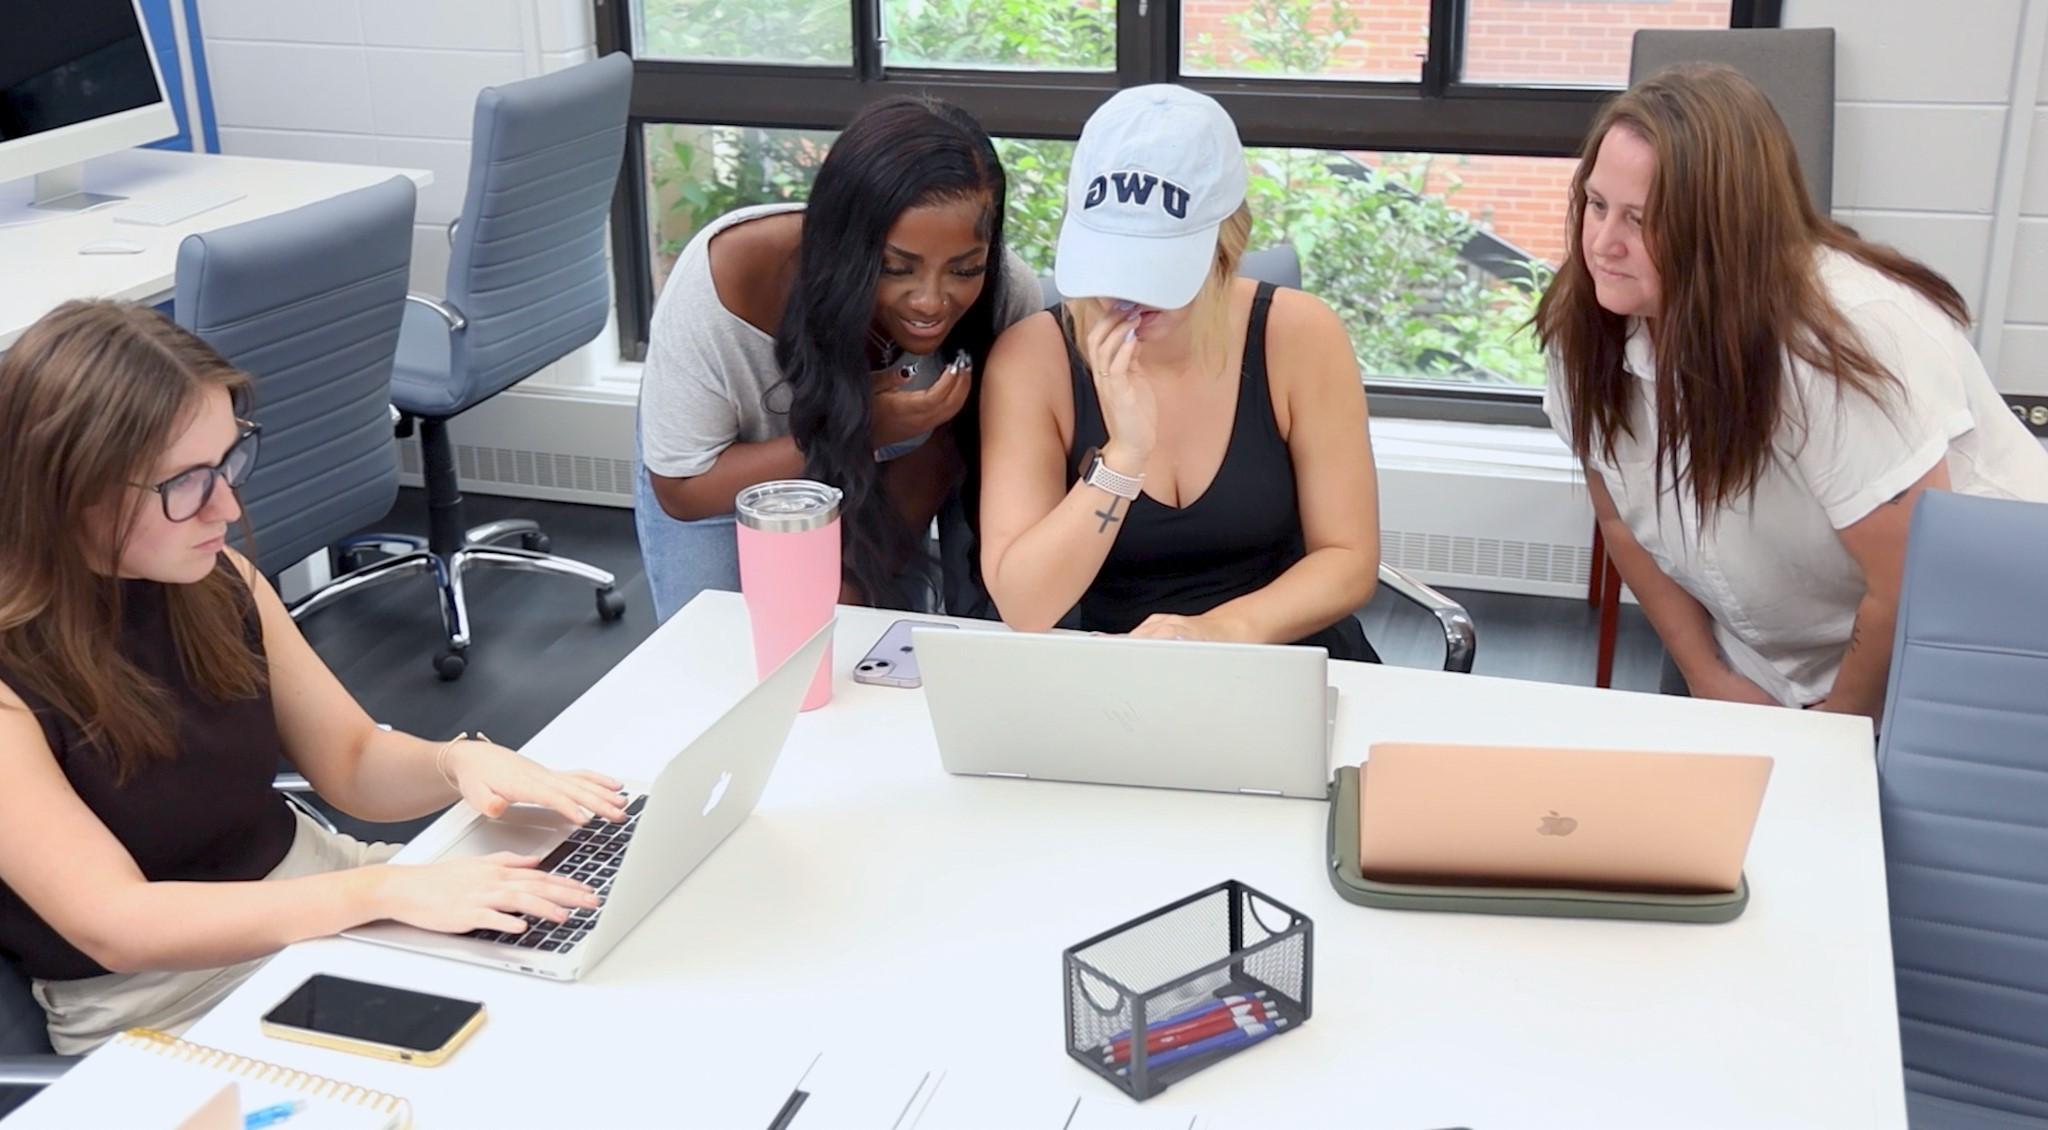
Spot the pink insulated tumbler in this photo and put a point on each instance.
(789, 571)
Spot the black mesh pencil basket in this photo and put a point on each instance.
(1202, 979)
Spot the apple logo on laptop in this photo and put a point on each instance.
(1555, 825)
(717, 792)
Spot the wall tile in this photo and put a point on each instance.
(302, 145)
(2023, 361)
(467, 24)
(2027, 301)
(289, 86)
(430, 260)
(1957, 246)
(1883, 156)
(565, 24)
(1911, 51)
(433, 93)
(559, 60)
(288, 21)
(441, 201)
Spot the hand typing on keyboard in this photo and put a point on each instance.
(505, 893)
(492, 778)
(500, 891)
(590, 856)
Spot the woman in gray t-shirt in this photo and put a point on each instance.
(838, 342)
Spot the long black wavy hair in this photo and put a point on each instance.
(897, 154)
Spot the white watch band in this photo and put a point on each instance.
(1105, 477)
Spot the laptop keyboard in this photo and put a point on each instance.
(591, 856)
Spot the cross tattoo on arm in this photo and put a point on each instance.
(1108, 516)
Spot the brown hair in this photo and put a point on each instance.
(1733, 234)
(90, 398)
(1209, 313)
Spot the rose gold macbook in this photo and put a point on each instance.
(1567, 817)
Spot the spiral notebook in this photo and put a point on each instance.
(143, 1080)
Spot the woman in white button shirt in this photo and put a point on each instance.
(1759, 397)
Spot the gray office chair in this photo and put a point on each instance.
(1963, 787)
(1281, 266)
(527, 284)
(309, 303)
(1795, 68)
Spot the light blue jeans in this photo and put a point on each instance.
(683, 558)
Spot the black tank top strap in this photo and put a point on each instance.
(1254, 387)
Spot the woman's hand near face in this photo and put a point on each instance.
(1130, 411)
(900, 413)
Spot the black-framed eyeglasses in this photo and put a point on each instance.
(186, 493)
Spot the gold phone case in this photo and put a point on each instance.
(374, 1050)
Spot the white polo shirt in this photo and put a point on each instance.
(1770, 569)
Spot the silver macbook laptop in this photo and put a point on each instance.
(1234, 718)
(704, 792)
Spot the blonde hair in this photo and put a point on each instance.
(1209, 313)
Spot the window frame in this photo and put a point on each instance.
(1438, 113)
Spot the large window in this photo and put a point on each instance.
(1415, 152)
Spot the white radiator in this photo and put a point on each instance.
(1461, 505)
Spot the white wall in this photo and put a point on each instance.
(380, 82)
(1941, 148)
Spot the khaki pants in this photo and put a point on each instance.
(85, 1013)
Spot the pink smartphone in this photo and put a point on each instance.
(892, 662)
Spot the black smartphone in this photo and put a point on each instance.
(374, 1020)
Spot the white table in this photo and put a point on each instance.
(39, 249)
(874, 904)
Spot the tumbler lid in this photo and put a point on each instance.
(788, 506)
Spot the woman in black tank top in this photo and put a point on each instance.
(151, 683)
(1101, 418)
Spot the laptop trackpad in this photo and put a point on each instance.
(523, 831)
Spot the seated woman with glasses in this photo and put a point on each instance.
(838, 341)
(150, 685)
(1180, 453)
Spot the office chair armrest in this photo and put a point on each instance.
(1461, 638)
(34, 1070)
(449, 314)
(296, 789)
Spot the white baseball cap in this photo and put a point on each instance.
(1157, 170)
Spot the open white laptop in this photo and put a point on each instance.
(704, 792)
(1221, 717)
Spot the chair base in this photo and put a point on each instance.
(410, 555)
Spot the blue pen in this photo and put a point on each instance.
(271, 1115)
(1236, 1037)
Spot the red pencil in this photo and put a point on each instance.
(1212, 1023)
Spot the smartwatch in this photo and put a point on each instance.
(1101, 476)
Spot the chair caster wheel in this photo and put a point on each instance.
(610, 605)
(449, 665)
(534, 541)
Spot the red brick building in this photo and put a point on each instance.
(1564, 42)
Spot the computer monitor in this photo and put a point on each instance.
(78, 80)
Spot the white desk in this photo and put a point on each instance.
(39, 250)
(870, 885)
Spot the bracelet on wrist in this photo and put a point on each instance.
(441, 756)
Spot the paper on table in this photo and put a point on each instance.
(985, 1099)
(151, 1082)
